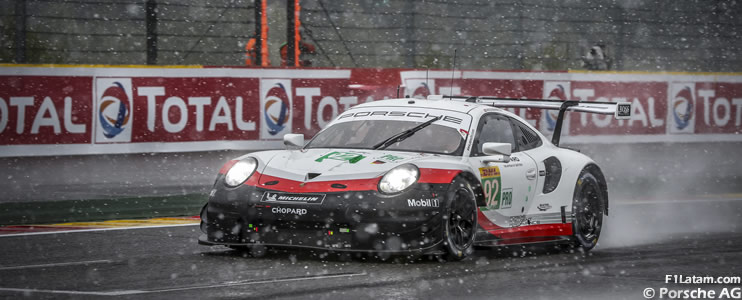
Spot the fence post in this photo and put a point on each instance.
(411, 59)
(261, 32)
(20, 31)
(290, 33)
(151, 23)
(258, 37)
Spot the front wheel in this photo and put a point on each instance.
(587, 210)
(460, 220)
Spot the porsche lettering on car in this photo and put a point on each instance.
(418, 176)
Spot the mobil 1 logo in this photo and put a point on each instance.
(423, 202)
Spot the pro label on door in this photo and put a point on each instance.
(491, 185)
(507, 198)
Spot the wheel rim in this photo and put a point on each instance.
(590, 216)
(461, 220)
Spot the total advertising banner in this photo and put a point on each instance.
(79, 110)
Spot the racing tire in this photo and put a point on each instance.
(587, 211)
(460, 220)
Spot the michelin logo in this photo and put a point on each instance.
(270, 197)
(293, 198)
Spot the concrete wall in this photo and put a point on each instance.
(650, 35)
(84, 177)
(668, 171)
(634, 171)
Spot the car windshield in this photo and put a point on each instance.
(365, 134)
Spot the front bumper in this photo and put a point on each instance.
(365, 221)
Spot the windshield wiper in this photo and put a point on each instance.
(404, 134)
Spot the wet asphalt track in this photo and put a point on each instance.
(642, 243)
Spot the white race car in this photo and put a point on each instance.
(434, 176)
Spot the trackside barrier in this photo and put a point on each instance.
(73, 110)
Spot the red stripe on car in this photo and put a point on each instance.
(437, 175)
(528, 240)
(367, 184)
(529, 231)
(227, 166)
(254, 179)
(293, 186)
(484, 222)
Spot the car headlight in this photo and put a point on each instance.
(398, 179)
(240, 171)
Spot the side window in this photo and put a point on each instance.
(494, 129)
(527, 138)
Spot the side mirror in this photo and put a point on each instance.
(293, 141)
(499, 151)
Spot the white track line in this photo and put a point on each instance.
(89, 262)
(698, 201)
(92, 230)
(112, 293)
(186, 288)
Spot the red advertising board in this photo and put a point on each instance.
(718, 106)
(38, 110)
(62, 111)
(648, 116)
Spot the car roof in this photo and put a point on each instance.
(460, 106)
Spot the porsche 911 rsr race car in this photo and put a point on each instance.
(414, 176)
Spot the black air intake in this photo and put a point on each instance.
(553, 174)
(313, 175)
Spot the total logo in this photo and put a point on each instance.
(113, 110)
(422, 91)
(275, 108)
(555, 91)
(114, 113)
(422, 88)
(421, 84)
(681, 108)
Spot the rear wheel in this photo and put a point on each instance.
(460, 220)
(587, 210)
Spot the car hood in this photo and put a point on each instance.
(334, 164)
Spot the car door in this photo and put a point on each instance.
(529, 144)
(507, 187)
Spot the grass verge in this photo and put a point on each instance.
(46, 212)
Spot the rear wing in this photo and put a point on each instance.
(620, 110)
